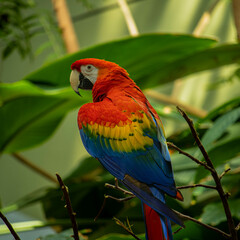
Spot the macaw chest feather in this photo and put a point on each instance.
(120, 131)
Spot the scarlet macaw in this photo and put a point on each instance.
(123, 131)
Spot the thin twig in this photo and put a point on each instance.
(126, 228)
(132, 27)
(69, 208)
(174, 101)
(101, 209)
(190, 156)
(223, 174)
(34, 167)
(116, 186)
(237, 227)
(8, 224)
(178, 230)
(119, 199)
(203, 224)
(215, 176)
(195, 135)
(65, 24)
(197, 185)
(180, 214)
(204, 20)
(236, 15)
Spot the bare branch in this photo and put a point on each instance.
(197, 185)
(128, 229)
(101, 209)
(116, 186)
(34, 167)
(227, 236)
(132, 27)
(66, 26)
(178, 230)
(222, 194)
(173, 101)
(236, 15)
(180, 214)
(69, 207)
(190, 156)
(8, 224)
(204, 20)
(120, 199)
(223, 174)
(237, 227)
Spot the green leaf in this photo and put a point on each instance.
(221, 110)
(152, 57)
(219, 127)
(220, 155)
(29, 115)
(163, 57)
(214, 213)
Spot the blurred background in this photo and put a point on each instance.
(37, 34)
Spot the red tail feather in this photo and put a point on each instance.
(156, 229)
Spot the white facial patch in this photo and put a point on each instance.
(90, 72)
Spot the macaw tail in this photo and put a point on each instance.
(157, 227)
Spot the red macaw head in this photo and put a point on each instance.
(86, 72)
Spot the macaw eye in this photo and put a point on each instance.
(89, 68)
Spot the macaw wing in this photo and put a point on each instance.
(127, 141)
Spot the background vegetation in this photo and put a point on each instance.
(179, 52)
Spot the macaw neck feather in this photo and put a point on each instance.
(115, 80)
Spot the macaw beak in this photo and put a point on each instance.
(78, 80)
(74, 81)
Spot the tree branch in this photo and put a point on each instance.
(215, 176)
(116, 186)
(180, 214)
(173, 101)
(197, 185)
(204, 20)
(34, 167)
(69, 207)
(236, 15)
(8, 224)
(66, 26)
(132, 27)
(128, 229)
(190, 156)
(223, 174)
(203, 224)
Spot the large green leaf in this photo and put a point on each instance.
(29, 115)
(153, 57)
(214, 213)
(220, 155)
(150, 59)
(221, 110)
(218, 129)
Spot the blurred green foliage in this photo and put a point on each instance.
(16, 27)
(45, 99)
